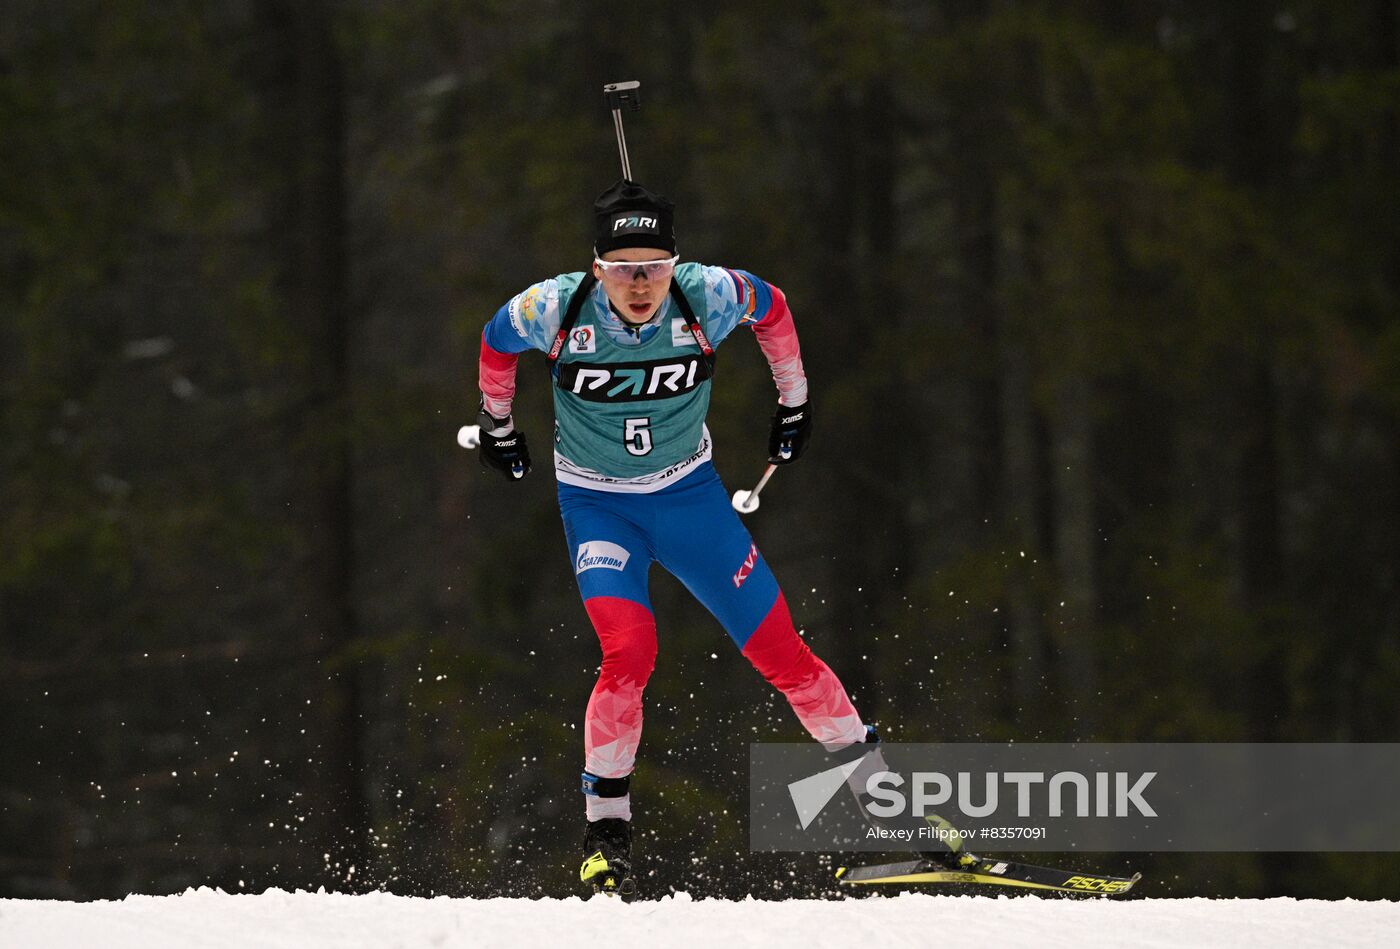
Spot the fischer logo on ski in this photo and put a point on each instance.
(1097, 884)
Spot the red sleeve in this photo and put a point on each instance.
(777, 337)
(497, 379)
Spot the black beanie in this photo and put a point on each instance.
(628, 215)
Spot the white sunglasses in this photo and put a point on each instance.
(628, 270)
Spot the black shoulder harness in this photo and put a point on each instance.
(585, 287)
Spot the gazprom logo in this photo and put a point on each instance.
(635, 222)
(600, 553)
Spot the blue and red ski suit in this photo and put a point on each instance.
(680, 517)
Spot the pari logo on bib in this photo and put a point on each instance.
(603, 554)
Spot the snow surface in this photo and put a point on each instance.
(209, 919)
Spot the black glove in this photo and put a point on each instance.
(502, 447)
(791, 429)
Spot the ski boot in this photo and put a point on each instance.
(607, 861)
(945, 849)
(951, 854)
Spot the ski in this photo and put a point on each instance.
(990, 871)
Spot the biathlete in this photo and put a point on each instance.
(630, 346)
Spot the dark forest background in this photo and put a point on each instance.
(1099, 307)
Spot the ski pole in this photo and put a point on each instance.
(615, 94)
(746, 502)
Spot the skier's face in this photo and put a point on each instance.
(636, 298)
